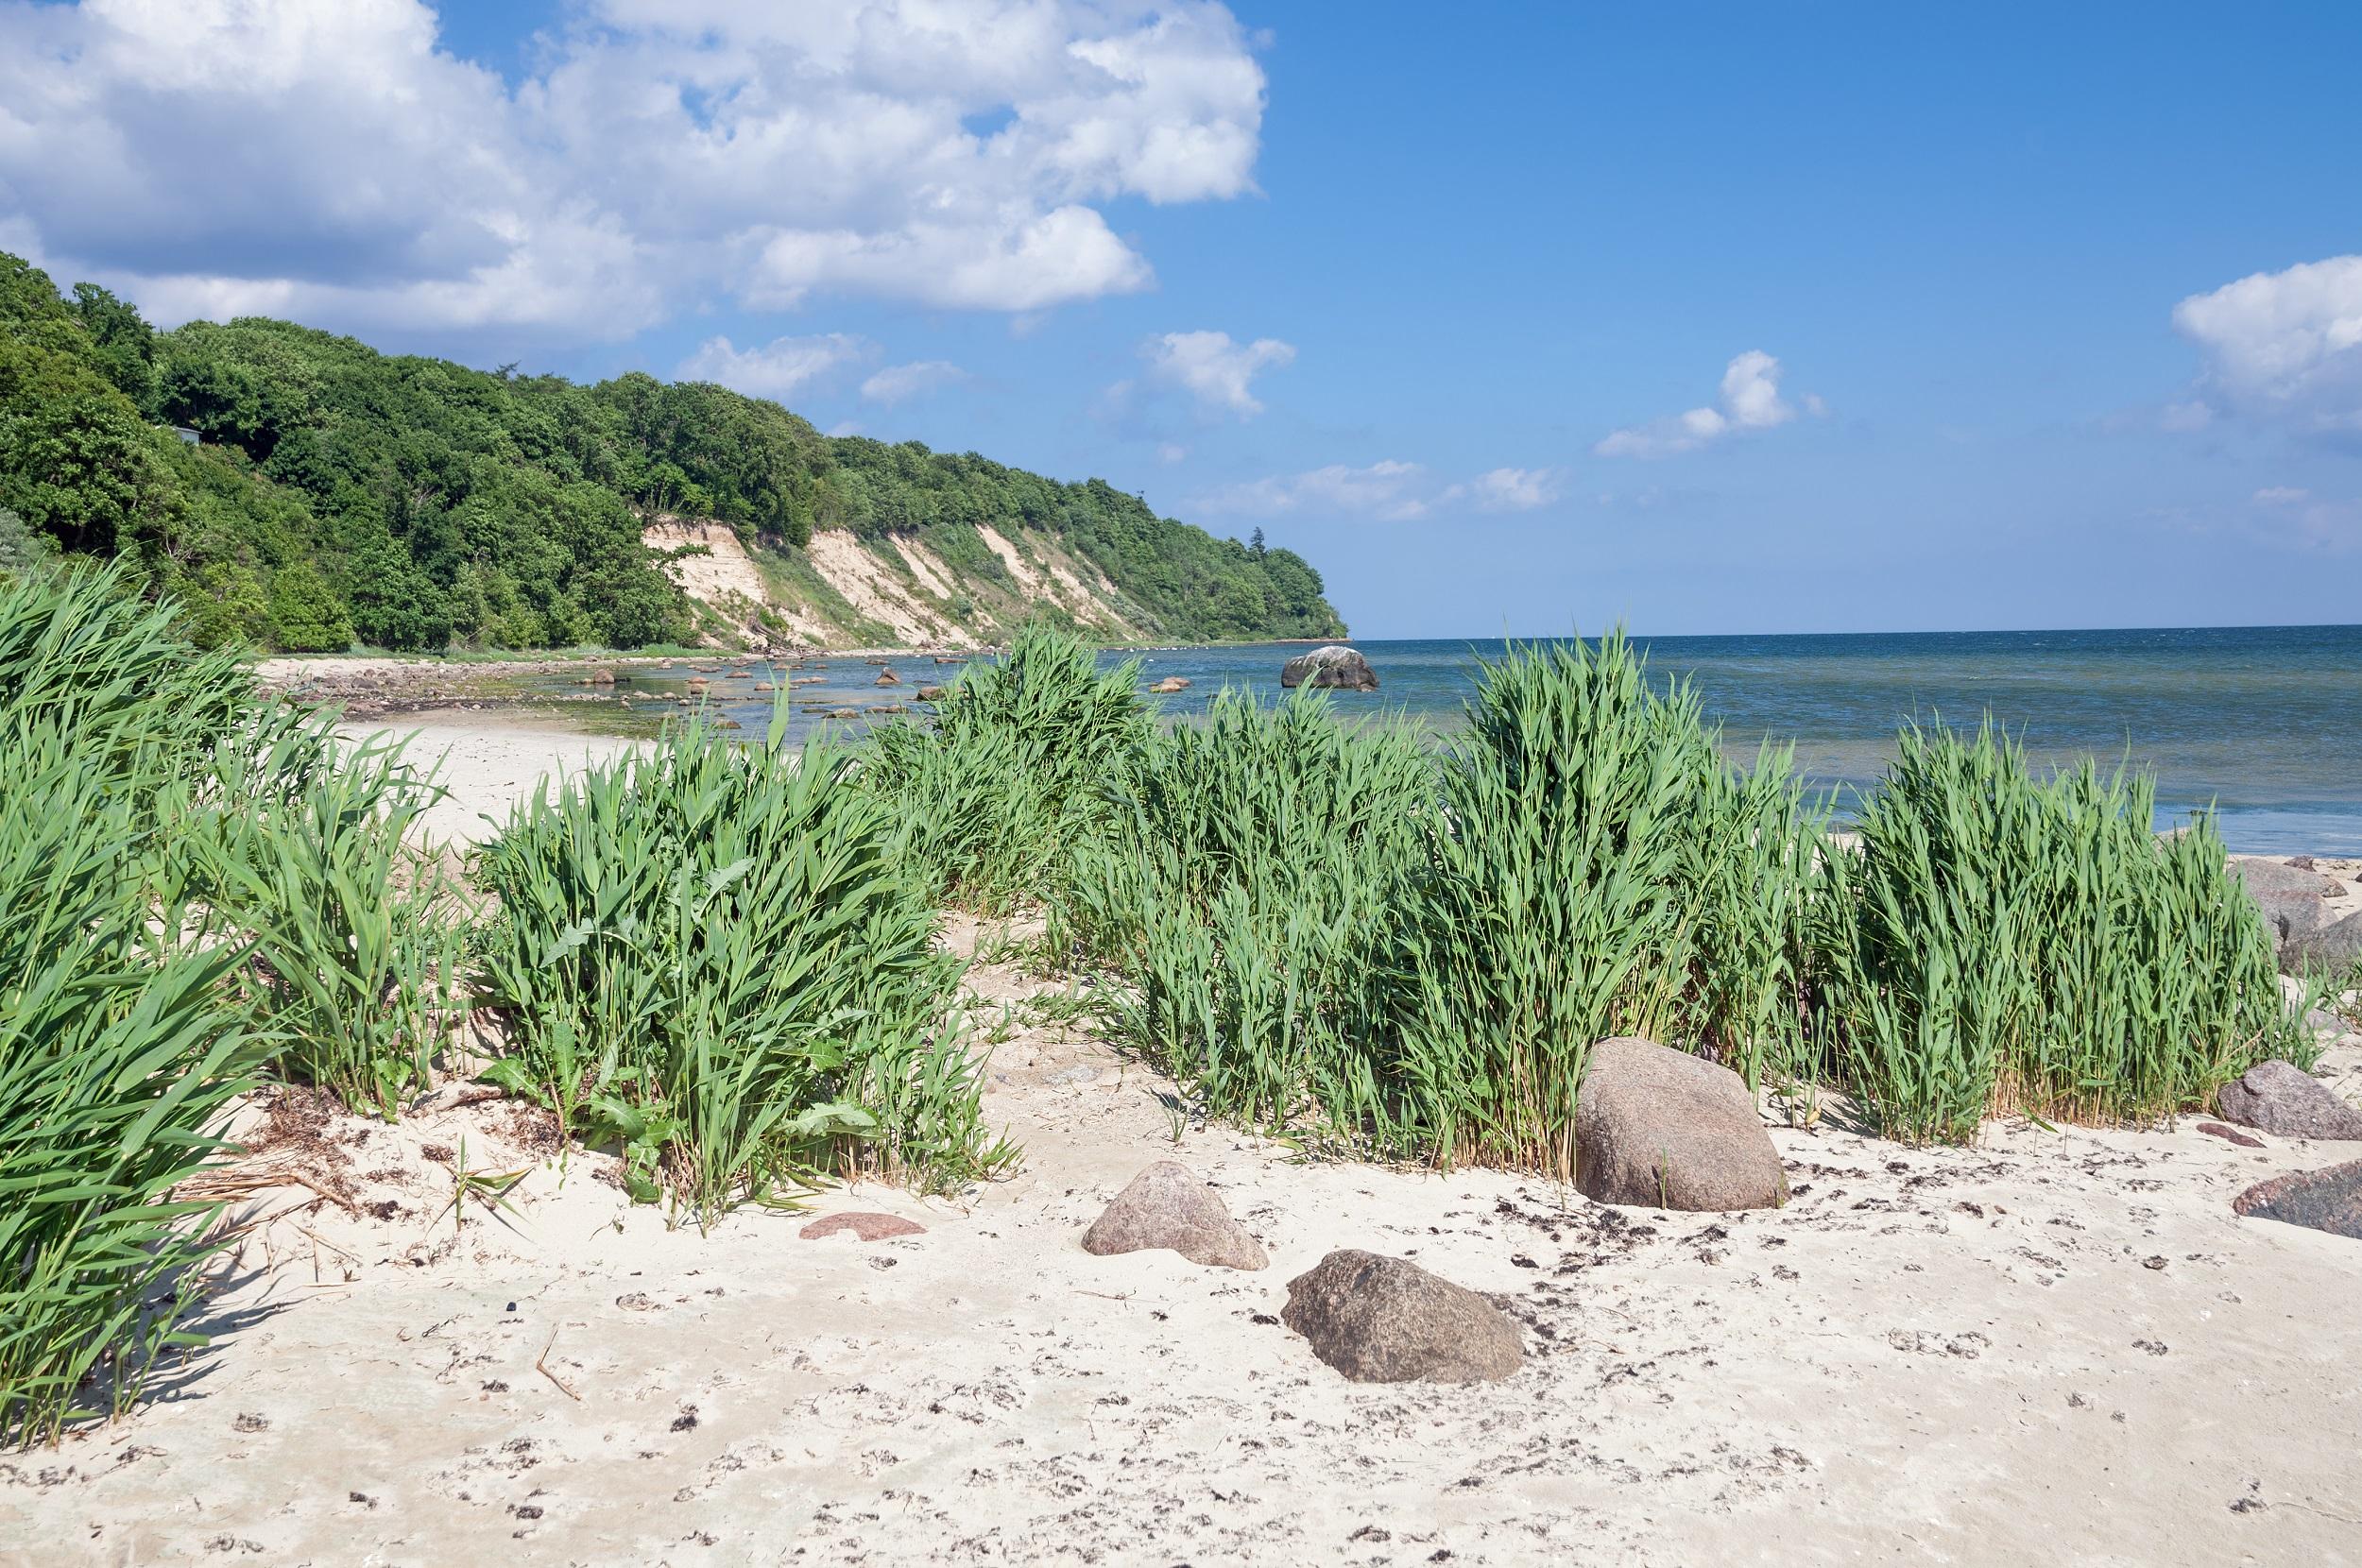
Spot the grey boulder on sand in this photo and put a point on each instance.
(2283, 1098)
(2318, 1199)
(1337, 667)
(2303, 906)
(1384, 1320)
(1663, 1129)
(2336, 946)
(1166, 1206)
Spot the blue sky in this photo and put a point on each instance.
(1510, 318)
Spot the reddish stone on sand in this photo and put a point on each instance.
(2230, 1135)
(867, 1225)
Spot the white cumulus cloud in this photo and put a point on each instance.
(2281, 346)
(1219, 373)
(328, 159)
(777, 368)
(1750, 400)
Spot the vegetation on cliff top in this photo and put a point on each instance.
(339, 494)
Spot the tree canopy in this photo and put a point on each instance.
(335, 494)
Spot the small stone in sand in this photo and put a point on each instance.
(1167, 1207)
(1386, 1320)
(864, 1224)
(2230, 1135)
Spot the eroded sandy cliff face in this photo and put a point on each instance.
(965, 589)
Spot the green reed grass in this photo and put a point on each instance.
(1244, 878)
(117, 1049)
(713, 955)
(1597, 870)
(2010, 942)
(195, 886)
(1000, 788)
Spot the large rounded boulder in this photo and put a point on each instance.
(2282, 1098)
(1665, 1130)
(1336, 668)
(1386, 1320)
(1167, 1207)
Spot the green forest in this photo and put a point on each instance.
(337, 496)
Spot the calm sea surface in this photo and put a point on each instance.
(2263, 723)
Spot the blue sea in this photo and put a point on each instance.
(2262, 723)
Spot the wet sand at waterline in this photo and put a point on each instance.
(2059, 1345)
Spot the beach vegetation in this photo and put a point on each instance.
(713, 957)
(2001, 941)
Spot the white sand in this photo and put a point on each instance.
(2060, 1346)
(486, 761)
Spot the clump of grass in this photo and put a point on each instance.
(998, 790)
(117, 1048)
(1335, 930)
(2007, 941)
(1243, 881)
(713, 955)
(308, 848)
(195, 886)
(1597, 870)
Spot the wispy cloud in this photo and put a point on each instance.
(1389, 491)
(1509, 489)
(1750, 400)
(777, 368)
(1212, 370)
(900, 382)
(2285, 514)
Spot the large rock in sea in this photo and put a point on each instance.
(1336, 667)
(2327, 1200)
(2284, 1098)
(1386, 1320)
(1166, 1206)
(1662, 1129)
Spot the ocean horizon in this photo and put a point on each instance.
(2240, 719)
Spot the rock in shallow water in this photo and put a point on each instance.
(1385, 1320)
(2281, 1098)
(1658, 1127)
(1336, 667)
(1167, 1207)
(2327, 1200)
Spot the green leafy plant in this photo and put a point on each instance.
(2009, 942)
(712, 955)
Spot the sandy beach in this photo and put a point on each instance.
(2058, 1345)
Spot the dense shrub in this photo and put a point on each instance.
(1000, 789)
(713, 955)
(2007, 942)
